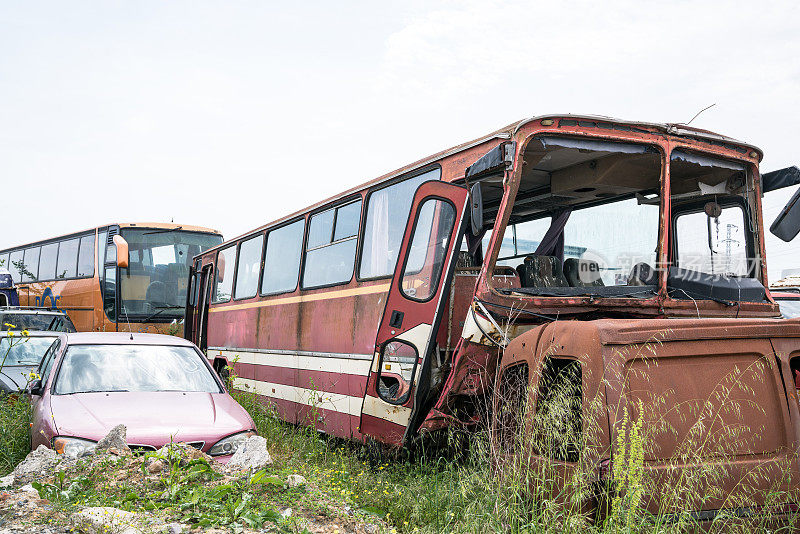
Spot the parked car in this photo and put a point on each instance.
(19, 357)
(161, 387)
(41, 319)
(789, 301)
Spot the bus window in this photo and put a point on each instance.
(67, 259)
(47, 261)
(248, 267)
(4, 261)
(331, 248)
(101, 249)
(282, 258)
(15, 261)
(226, 260)
(426, 256)
(30, 261)
(86, 256)
(387, 214)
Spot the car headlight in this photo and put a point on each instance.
(72, 447)
(230, 444)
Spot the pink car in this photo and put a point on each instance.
(160, 387)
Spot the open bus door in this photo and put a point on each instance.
(399, 376)
(196, 320)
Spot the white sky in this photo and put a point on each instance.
(232, 114)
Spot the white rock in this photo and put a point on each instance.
(106, 520)
(116, 438)
(286, 513)
(7, 482)
(27, 488)
(173, 528)
(294, 481)
(37, 462)
(252, 454)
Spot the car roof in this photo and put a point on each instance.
(123, 338)
(30, 311)
(31, 333)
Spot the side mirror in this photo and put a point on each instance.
(476, 208)
(36, 388)
(122, 251)
(787, 224)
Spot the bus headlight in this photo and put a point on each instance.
(73, 447)
(230, 444)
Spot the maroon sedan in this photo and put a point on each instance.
(160, 387)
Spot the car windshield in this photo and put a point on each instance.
(23, 350)
(49, 322)
(789, 308)
(140, 368)
(154, 283)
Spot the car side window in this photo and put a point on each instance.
(47, 360)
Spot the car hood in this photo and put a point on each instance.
(15, 377)
(152, 419)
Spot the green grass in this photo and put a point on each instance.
(15, 418)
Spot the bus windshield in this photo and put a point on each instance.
(153, 286)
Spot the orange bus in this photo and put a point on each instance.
(118, 273)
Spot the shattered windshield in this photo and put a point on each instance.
(584, 220)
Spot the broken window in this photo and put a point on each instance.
(512, 400)
(558, 421)
(584, 220)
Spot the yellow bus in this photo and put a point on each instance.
(112, 277)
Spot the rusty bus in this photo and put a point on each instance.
(633, 252)
(124, 272)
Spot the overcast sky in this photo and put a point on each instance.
(232, 114)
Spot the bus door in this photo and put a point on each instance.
(399, 377)
(196, 326)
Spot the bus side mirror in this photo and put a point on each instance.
(787, 223)
(476, 209)
(122, 251)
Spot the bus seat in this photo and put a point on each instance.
(642, 275)
(573, 267)
(542, 271)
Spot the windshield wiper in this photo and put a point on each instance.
(161, 309)
(164, 231)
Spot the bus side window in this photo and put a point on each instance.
(331, 246)
(226, 263)
(47, 261)
(15, 262)
(248, 267)
(67, 259)
(30, 262)
(86, 256)
(282, 258)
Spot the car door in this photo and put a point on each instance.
(42, 424)
(399, 376)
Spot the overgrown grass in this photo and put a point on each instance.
(480, 484)
(15, 418)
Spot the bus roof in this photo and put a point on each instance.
(507, 132)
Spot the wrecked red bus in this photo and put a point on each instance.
(630, 252)
(129, 273)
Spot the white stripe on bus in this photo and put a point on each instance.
(346, 365)
(318, 399)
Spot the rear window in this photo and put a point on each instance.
(135, 368)
(48, 322)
